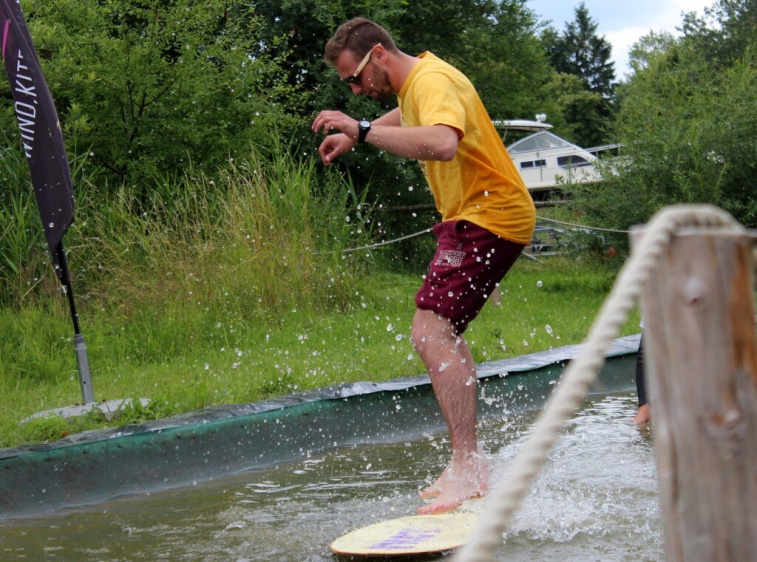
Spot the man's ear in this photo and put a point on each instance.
(379, 54)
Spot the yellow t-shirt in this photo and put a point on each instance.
(480, 184)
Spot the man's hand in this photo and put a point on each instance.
(333, 146)
(336, 144)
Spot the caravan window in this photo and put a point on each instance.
(572, 161)
(532, 164)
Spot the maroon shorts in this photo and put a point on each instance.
(468, 264)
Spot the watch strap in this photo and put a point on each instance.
(363, 127)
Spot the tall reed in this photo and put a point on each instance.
(258, 240)
(22, 242)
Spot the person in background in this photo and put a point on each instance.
(642, 416)
(487, 216)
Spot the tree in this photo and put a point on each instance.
(580, 52)
(493, 41)
(647, 48)
(146, 88)
(502, 55)
(725, 31)
(687, 126)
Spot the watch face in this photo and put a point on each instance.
(363, 127)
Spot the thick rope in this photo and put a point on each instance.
(582, 371)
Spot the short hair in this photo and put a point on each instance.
(358, 35)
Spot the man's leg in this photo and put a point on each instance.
(642, 416)
(453, 376)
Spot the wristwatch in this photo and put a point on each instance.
(363, 127)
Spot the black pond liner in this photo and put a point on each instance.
(95, 466)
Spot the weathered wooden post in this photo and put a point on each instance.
(701, 371)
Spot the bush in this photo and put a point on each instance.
(687, 130)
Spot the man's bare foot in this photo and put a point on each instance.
(466, 477)
(643, 415)
(435, 489)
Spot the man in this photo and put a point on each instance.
(487, 216)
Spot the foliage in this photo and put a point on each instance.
(270, 207)
(725, 31)
(23, 251)
(646, 49)
(687, 127)
(493, 42)
(53, 426)
(575, 109)
(212, 260)
(148, 88)
(578, 51)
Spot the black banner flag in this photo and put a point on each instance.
(42, 142)
(41, 136)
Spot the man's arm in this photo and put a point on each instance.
(390, 118)
(435, 142)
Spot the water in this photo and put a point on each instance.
(596, 499)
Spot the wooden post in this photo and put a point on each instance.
(701, 372)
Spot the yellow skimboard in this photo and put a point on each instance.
(415, 534)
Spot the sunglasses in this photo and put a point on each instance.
(354, 78)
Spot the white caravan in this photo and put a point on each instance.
(544, 160)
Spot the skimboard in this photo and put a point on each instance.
(415, 534)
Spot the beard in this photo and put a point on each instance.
(381, 87)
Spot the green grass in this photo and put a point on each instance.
(184, 356)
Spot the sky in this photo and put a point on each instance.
(621, 22)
